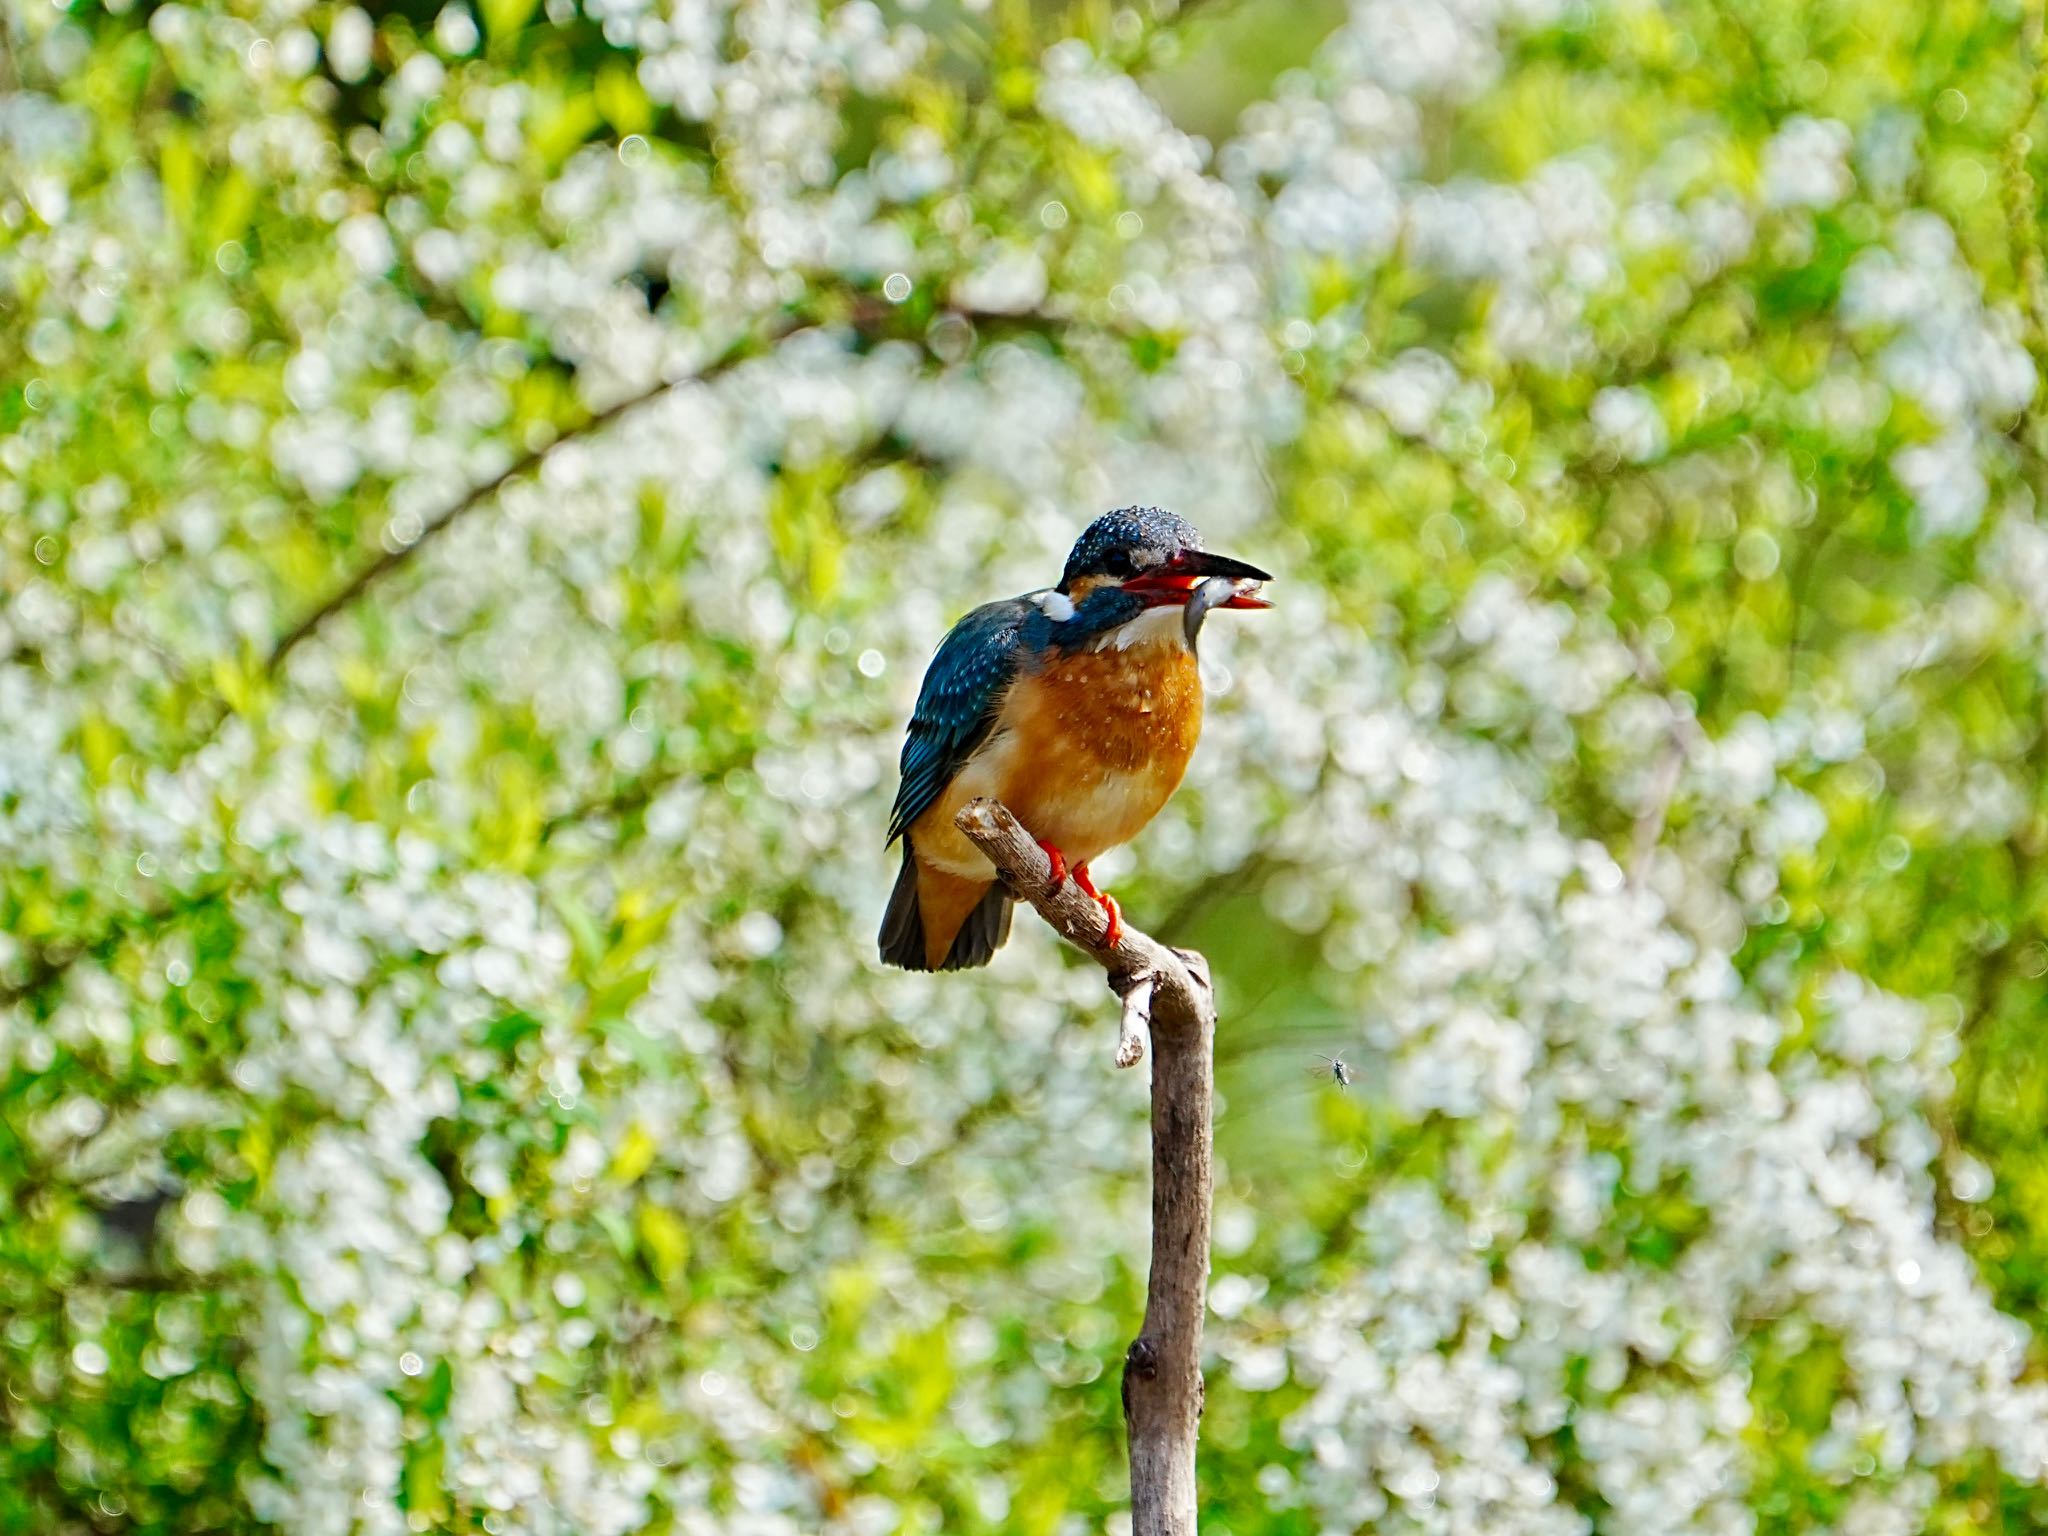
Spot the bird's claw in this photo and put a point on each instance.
(1104, 900)
(1058, 875)
(1115, 915)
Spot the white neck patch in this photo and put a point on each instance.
(1155, 626)
(1056, 606)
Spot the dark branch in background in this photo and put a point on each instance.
(49, 964)
(1166, 992)
(369, 575)
(870, 318)
(626, 800)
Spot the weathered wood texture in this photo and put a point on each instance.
(1166, 993)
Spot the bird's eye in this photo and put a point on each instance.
(1118, 563)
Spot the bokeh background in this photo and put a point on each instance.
(477, 490)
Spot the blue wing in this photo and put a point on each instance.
(956, 708)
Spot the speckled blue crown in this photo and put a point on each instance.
(1131, 538)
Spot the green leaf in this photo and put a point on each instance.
(666, 1241)
(622, 100)
(179, 170)
(635, 1155)
(506, 18)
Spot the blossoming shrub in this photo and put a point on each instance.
(479, 490)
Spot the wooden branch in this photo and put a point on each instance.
(1166, 992)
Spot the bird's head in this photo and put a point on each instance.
(1150, 554)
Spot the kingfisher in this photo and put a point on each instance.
(1077, 707)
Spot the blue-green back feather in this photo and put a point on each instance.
(956, 708)
(971, 671)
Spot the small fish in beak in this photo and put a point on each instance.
(1218, 592)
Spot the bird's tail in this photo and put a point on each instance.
(902, 938)
(984, 932)
(905, 941)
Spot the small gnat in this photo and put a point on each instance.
(1335, 1068)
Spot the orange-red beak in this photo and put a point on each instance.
(1176, 581)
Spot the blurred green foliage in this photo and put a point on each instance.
(486, 956)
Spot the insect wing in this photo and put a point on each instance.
(1333, 1069)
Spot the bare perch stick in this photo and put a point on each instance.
(1166, 991)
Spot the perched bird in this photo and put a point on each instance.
(1076, 707)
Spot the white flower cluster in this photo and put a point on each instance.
(1959, 360)
(1548, 1007)
(507, 946)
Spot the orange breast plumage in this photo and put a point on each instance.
(1097, 741)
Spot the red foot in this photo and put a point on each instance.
(1115, 915)
(1110, 909)
(1058, 877)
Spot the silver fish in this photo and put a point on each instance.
(1213, 593)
